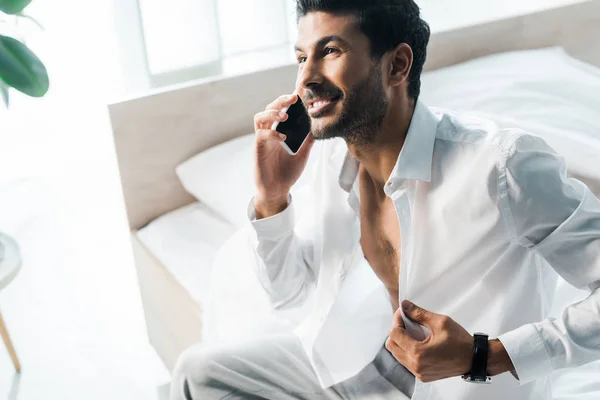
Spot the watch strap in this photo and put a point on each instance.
(480, 357)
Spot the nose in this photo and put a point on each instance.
(309, 75)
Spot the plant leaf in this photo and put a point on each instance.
(22, 69)
(4, 94)
(13, 6)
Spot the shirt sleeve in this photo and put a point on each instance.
(284, 256)
(559, 219)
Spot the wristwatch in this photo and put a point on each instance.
(478, 373)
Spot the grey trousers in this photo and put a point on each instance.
(276, 367)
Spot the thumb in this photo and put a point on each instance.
(417, 313)
(397, 321)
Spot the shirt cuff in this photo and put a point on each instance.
(276, 226)
(527, 351)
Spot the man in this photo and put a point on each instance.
(460, 217)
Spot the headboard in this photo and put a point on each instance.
(156, 132)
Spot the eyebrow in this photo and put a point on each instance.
(324, 40)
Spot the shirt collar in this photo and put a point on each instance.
(414, 161)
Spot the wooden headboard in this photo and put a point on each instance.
(156, 132)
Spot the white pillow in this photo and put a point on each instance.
(544, 91)
(222, 177)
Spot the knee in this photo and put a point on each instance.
(198, 365)
(190, 363)
(193, 363)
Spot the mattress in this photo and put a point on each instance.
(186, 242)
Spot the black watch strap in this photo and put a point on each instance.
(478, 372)
(480, 357)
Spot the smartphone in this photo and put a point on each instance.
(296, 128)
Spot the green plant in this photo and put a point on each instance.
(20, 68)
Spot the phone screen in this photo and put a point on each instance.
(296, 127)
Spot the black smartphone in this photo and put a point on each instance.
(296, 128)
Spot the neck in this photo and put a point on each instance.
(380, 157)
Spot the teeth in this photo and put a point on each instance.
(319, 103)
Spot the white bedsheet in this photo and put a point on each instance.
(186, 242)
(545, 92)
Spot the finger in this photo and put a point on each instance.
(265, 119)
(418, 314)
(402, 339)
(269, 134)
(282, 102)
(393, 347)
(397, 321)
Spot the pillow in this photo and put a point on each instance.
(545, 92)
(222, 177)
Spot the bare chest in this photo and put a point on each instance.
(381, 241)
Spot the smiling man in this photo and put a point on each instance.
(462, 218)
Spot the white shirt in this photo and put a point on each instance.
(486, 216)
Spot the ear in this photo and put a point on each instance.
(399, 64)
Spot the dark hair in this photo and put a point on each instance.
(386, 23)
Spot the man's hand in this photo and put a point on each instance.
(275, 170)
(446, 352)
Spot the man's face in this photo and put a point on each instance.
(338, 81)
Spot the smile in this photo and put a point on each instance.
(319, 106)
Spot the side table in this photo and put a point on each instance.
(10, 264)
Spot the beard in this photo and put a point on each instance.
(362, 113)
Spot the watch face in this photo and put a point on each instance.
(470, 379)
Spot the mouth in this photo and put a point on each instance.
(316, 107)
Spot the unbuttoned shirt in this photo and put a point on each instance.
(487, 218)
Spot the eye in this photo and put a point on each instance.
(301, 59)
(331, 50)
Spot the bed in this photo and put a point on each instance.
(159, 132)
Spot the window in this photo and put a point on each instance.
(167, 42)
(164, 42)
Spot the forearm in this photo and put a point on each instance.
(540, 348)
(282, 262)
(268, 207)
